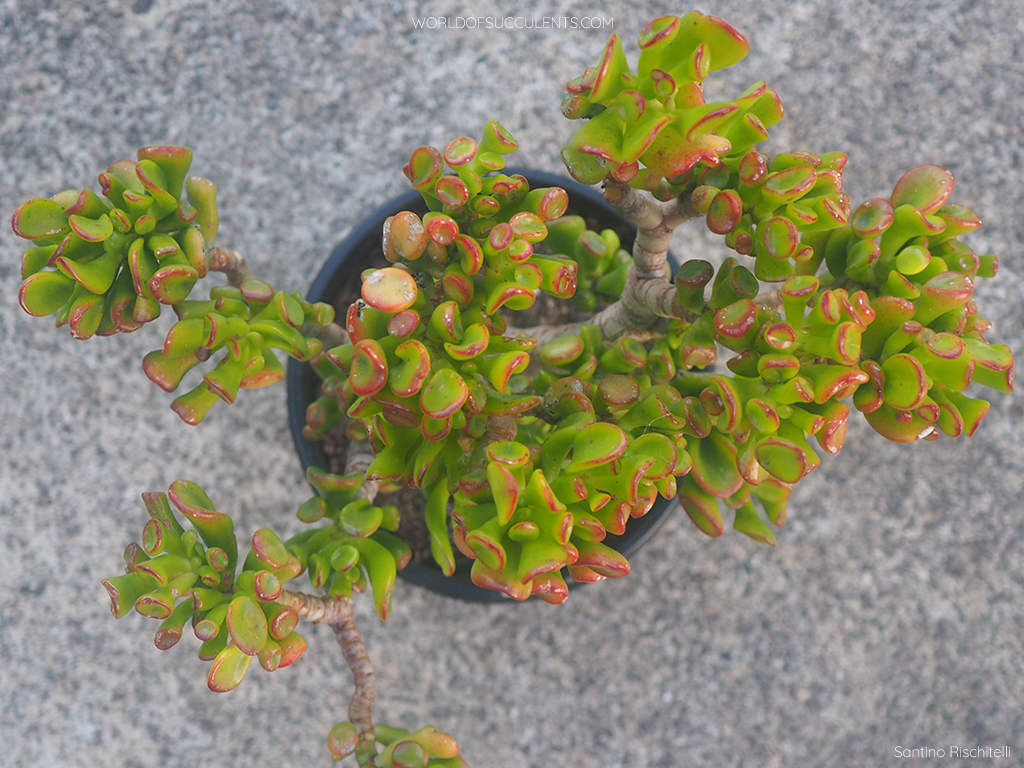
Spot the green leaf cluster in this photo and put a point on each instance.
(357, 547)
(652, 125)
(182, 575)
(106, 264)
(427, 747)
(245, 324)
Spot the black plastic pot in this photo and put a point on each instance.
(362, 249)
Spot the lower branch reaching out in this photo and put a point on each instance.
(316, 609)
(360, 706)
(337, 614)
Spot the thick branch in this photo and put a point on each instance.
(649, 293)
(338, 615)
(635, 206)
(359, 458)
(360, 706)
(332, 335)
(770, 299)
(315, 609)
(230, 263)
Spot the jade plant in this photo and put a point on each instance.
(528, 443)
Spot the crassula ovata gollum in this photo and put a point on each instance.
(719, 386)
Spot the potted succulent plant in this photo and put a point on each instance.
(528, 438)
(338, 283)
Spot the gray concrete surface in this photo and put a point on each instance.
(890, 615)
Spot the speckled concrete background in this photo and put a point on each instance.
(890, 615)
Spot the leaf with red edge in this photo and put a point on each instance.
(407, 378)
(701, 507)
(925, 187)
(608, 76)
(942, 293)
(899, 425)
(247, 625)
(474, 341)
(906, 383)
(228, 669)
(45, 292)
(510, 295)
(672, 153)
(405, 237)
(39, 218)
(602, 559)
(215, 528)
(91, 230)
(424, 167)
(994, 365)
(783, 458)
(193, 406)
(85, 316)
(724, 212)
(292, 648)
(749, 523)
(389, 289)
(737, 320)
(872, 217)
(777, 237)
(444, 394)
(173, 283)
(460, 151)
(787, 185)
(369, 369)
(268, 548)
(726, 46)
(491, 578)
(173, 161)
(550, 587)
(381, 569)
(441, 228)
(595, 445)
(499, 368)
(600, 136)
(832, 433)
(584, 168)
(124, 590)
(167, 372)
(714, 465)
(96, 275)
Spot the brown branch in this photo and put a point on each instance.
(649, 293)
(231, 263)
(770, 299)
(316, 609)
(360, 706)
(501, 428)
(337, 614)
(332, 335)
(637, 207)
(359, 458)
